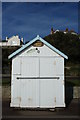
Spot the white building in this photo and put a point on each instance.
(37, 76)
(12, 41)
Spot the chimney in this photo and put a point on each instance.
(22, 39)
(17, 36)
(6, 38)
(66, 30)
(52, 31)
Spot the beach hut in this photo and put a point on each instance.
(37, 78)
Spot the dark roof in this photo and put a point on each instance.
(3, 41)
(21, 43)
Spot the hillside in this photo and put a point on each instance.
(68, 43)
(6, 51)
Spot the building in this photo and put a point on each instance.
(65, 32)
(37, 76)
(12, 41)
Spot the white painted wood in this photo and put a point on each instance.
(51, 67)
(16, 66)
(48, 93)
(30, 67)
(33, 90)
(29, 93)
(51, 93)
(59, 66)
(44, 51)
(15, 92)
(60, 99)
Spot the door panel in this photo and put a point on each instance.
(47, 67)
(16, 66)
(30, 67)
(51, 67)
(59, 66)
(48, 93)
(29, 85)
(15, 92)
(39, 92)
(29, 93)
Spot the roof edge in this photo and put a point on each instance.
(35, 39)
(53, 48)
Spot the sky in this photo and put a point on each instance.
(31, 19)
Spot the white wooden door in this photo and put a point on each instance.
(38, 82)
(48, 89)
(29, 83)
(16, 66)
(51, 67)
(48, 93)
(29, 93)
(47, 67)
(30, 67)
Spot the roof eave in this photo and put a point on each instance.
(53, 48)
(32, 41)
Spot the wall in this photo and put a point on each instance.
(13, 41)
(47, 60)
(43, 51)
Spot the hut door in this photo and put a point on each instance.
(29, 82)
(30, 67)
(47, 67)
(48, 91)
(48, 83)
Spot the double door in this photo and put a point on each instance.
(38, 82)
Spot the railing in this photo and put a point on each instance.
(37, 77)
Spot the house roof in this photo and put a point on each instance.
(3, 40)
(32, 41)
(21, 43)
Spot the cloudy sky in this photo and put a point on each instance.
(29, 19)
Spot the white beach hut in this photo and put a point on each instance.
(37, 76)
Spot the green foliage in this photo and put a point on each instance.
(6, 81)
(68, 43)
(73, 70)
(72, 82)
(6, 51)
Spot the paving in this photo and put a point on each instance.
(71, 111)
